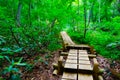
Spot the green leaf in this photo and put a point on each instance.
(6, 49)
(8, 58)
(21, 64)
(15, 77)
(15, 69)
(12, 62)
(20, 60)
(10, 68)
(1, 57)
(18, 50)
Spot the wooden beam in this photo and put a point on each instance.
(69, 76)
(60, 65)
(91, 56)
(64, 54)
(55, 72)
(95, 68)
(85, 76)
(55, 65)
(100, 77)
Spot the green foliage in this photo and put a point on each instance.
(33, 26)
(12, 70)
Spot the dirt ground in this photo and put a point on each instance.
(42, 71)
(111, 67)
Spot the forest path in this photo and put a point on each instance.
(43, 71)
(80, 61)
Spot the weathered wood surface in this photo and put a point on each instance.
(77, 65)
(69, 76)
(75, 76)
(85, 76)
(66, 39)
(81, 46)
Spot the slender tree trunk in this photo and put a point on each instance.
(53, 23)
(89, 16)
(19, 14)
(92, 11)
(29, 13)
(85, 12)
(119, 6)
(78, 16)
(16, 40)
(99, 10)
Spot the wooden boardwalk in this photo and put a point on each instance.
(77, 65)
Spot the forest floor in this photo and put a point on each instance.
(42, 71)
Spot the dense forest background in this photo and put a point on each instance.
(29, 27)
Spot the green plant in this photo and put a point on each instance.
(12, 70)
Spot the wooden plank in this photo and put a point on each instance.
(82, 50)
(72, 57)
(68, 79)
(71, 61)
(84, 62)
(85, 67)
(91, 56)
(64, 54)
(85, 76)
(83, 55)
(70, 66)
(78, 47)
(72, 51)
(83, 58)
(66, 38)
(69, 76)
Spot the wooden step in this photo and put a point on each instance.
(85, 67)
(83, 58)
(84, 62)
(85, 76)
(73, 51)
(78, 47)
(70, 66)
(72, 57)
(83, 52)
(83, 55)
(69, 76)
(71, 61)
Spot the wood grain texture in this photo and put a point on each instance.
(69, 76)
(85, 77)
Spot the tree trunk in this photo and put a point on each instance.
(119, 6)
(78, 15)
(99, 10)
(29, 13)
(19, 14)
(85, 12)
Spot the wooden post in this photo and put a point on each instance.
(100, 77)
(63, 54)
(55, 65)
(60, 66)
(55, 72)
(91, 56)
(95, 68)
